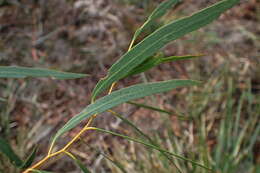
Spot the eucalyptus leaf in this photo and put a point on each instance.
(154, 61)
(30, 159)
(141, 133)
(157, 13)
(82, 166)
(23, 72)
(7, 150)
(159, 39)
(159, 110)
(78, 162)
(121, 96)
(116, 163)
(152, 146)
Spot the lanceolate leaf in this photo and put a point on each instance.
(151, 146)
(78, 162)
(157, 13)
(154, 61)
(116, 163)
(158, 39)
(7, 150)
(121, 96)
(125, 120)
(30, 159)
(82, 166)
(159, 110)
(23, 72)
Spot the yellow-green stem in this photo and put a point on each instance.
(63, 150)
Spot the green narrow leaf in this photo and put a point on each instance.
(159, 39)
(154, 61)
(121, 96)
(131, 124)
(151, 146)
(23, 72)
(178, 58)
(7, 150)
(158, 110)
(82, 166)
(116, 163)
(128, 122)
(157, 13)
(30, 159)
(79, 163)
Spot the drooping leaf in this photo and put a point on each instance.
(145, 136)
(151, 146)
(121, 96)
(158, 110)
(154, 61)
(30, 159)
(157, 13)
(128, 122)
(82, 166)
(116, 163)
(7, 150)
(23, 72)
(159, 39)
(78, 162)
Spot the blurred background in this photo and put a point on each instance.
(88, 36)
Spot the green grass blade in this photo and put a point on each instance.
(121, 96)
(151, 146)
(7, 150)
(23, 72)
(156, 14)
(158, 110)
(30, 159)
(159, 39)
